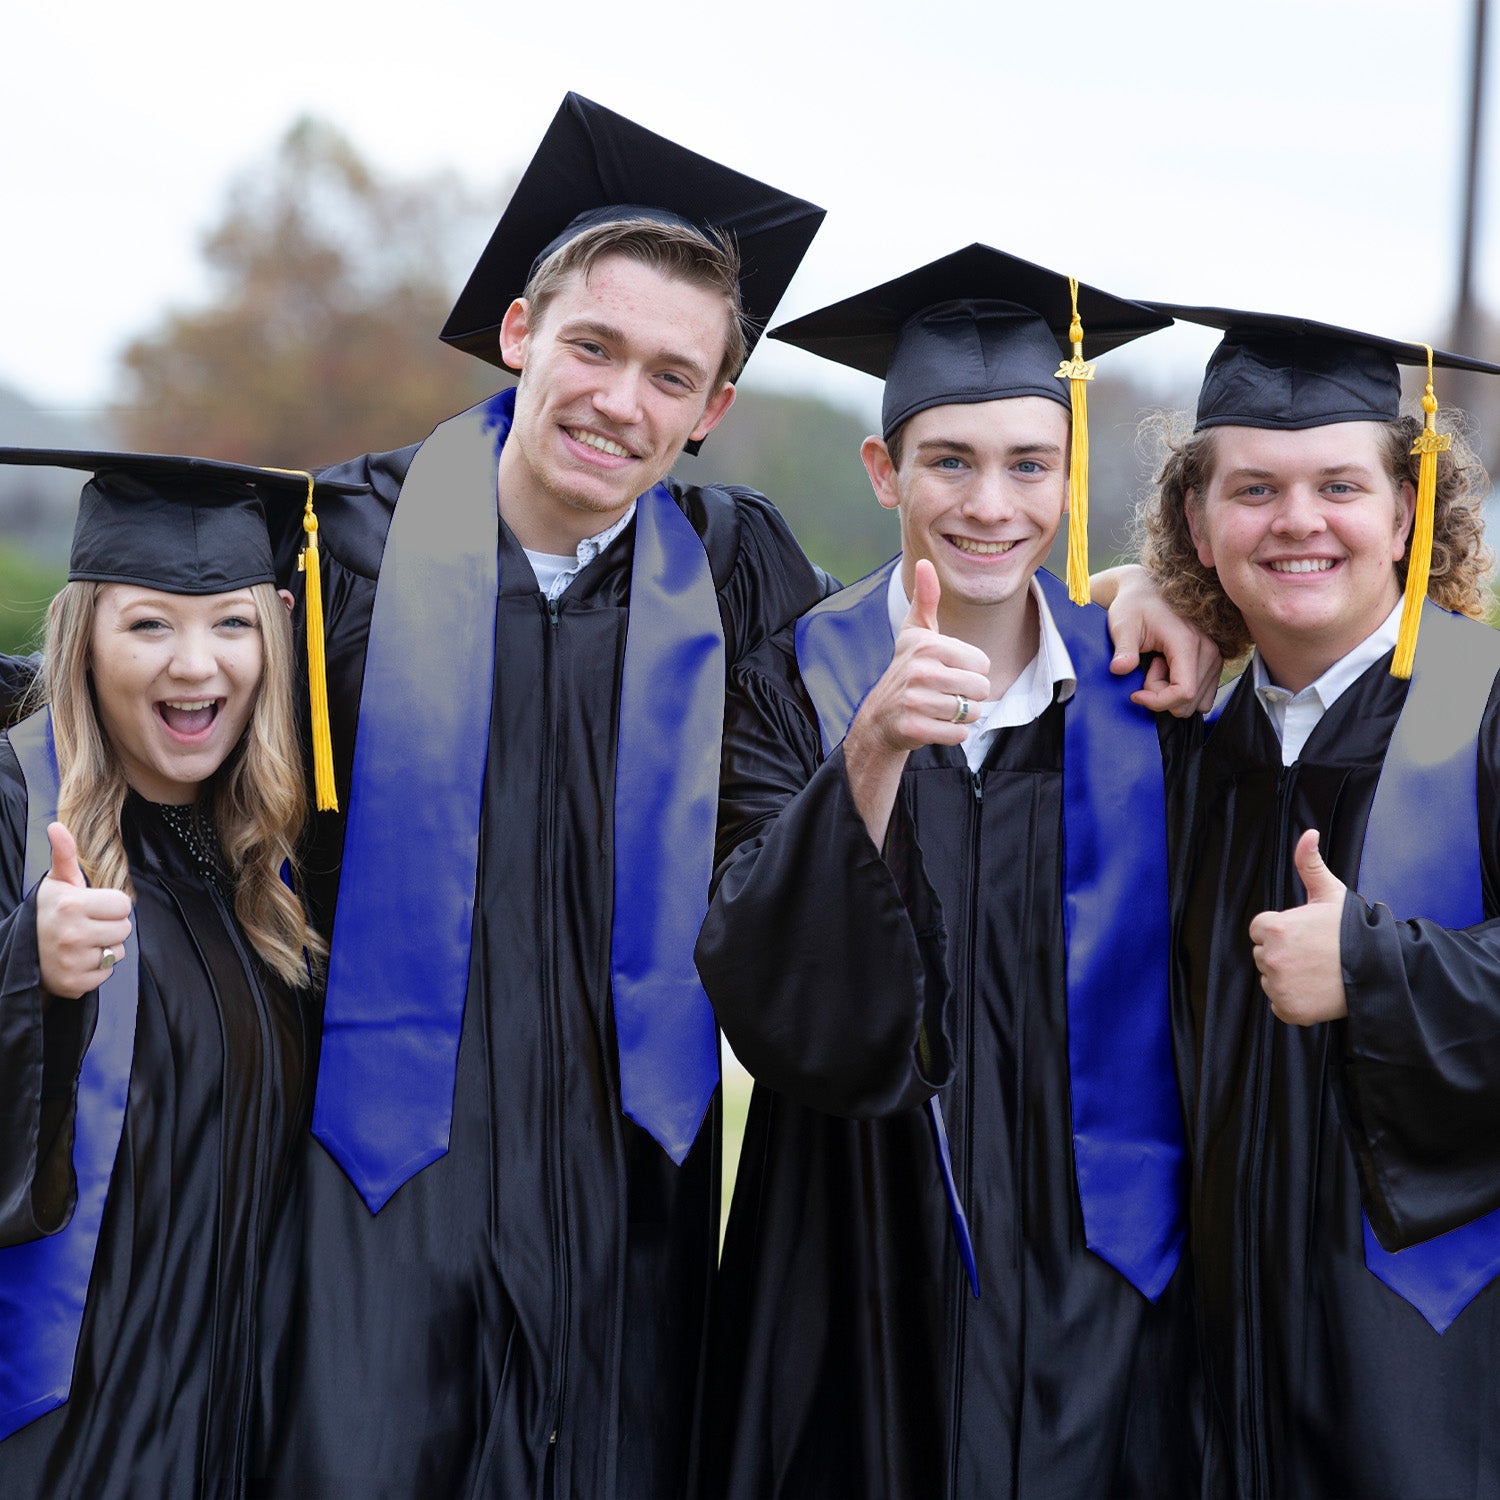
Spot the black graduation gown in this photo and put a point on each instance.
(1323, 1381)
(851, 1358)
(179, 1323)
(526, 1315)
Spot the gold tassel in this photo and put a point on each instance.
(308, 564)
(1075, 371)
(1430, 442)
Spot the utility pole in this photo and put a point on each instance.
(1466, 334)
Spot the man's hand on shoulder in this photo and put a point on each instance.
(1184, 676)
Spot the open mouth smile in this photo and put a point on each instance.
(188, 720)
(1303, 565)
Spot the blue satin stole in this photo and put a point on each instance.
(1128, 1143)
(399, 967)
(1421, 858)
(44, 1283)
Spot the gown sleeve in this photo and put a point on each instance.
(823, 956)
(42, 1042)
(1421, 1073)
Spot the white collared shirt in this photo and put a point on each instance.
(1294, 716)
(1048, 676)
(556, 570)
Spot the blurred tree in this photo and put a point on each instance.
(331, 282)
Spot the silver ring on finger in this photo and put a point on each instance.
(961, 708)
(108, 958)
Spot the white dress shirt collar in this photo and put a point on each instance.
(1294, 716)
(555, 571)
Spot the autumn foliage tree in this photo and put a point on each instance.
(330, 281)
(330, 284)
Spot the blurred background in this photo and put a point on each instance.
(237, 231)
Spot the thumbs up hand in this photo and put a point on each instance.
(927, 594)
(1297, 951)
(927, 696)
(79, 931)
(931, 678)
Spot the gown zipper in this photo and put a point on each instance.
(561, 1309)
(251, 1271)
(964, 1166)
(253, 1239)
(1255, 1360)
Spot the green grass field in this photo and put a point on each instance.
(25, 588)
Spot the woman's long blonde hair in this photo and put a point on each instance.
(258, 796)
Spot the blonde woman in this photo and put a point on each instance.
(157, 1017)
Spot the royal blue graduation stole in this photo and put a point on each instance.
(399, 967)
(1421, 859)
(1128, 1144)
(44, 1283)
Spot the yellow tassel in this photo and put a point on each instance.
(1075, 371)
(1430, 442)
(308, 564)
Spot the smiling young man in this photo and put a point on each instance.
(1337, 1046)
(513, 1212)
(943, 868)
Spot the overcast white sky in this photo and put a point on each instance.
(1291, 155)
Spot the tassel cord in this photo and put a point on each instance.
(309, 564)
(1077, 372)
(1430, 442)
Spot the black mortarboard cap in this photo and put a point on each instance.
(1291, 373)
(594, 166)
(977, 325)
(182, 525)
(981, 325)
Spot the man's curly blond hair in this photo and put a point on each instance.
(1184, 463)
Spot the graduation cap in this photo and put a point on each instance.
(981, 325)
(596, 167)
(1286, 373)
(1291, 373)
(195, 526)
